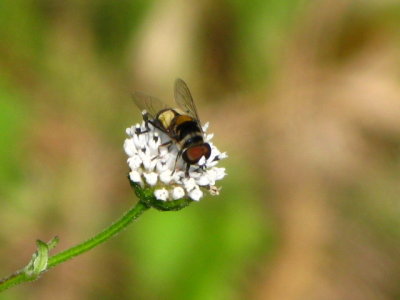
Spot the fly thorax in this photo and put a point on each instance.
(180, 119)
(166, 117)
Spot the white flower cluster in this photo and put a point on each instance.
(153, 162)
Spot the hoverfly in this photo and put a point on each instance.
(181, 124)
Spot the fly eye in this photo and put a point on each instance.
(193, 154)
(207, 149)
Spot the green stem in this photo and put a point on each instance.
(21, 276)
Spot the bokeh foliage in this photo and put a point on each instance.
(302, 96)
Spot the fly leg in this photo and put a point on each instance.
(187, 170)
(187, 165)
(177, 156)
(166, 144)
(147, 121)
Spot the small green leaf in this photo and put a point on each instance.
(40, 258)
(53, 243)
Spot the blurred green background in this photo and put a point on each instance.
(303, 95)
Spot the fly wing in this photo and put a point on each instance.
(184, 99)
(150, 104)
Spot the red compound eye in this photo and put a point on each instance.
(193, 154)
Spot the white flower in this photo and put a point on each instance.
(196, 194)
(161, 194)
(153, 163)
(151, 178)
(135, 176)
(178, 192)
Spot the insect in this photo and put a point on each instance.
(181, 124)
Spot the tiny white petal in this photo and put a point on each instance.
(178, 176)
(166, 177)
(144, 153)
(202, 161)
(129, 147)
(154, 143)
(223, 155)
(161, 166)
(163, 151)
(203, 180)
(161, 194)
(212, 164)
(195, 173)
(209, 136)
(134, 162)
(196, 194)
(189, 184)
(147, 163)
(151, 178)
(212, 174)
(134, 176)
(139, 141)
(178, 193)
(219, 173)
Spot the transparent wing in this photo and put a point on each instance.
(184, 99)
(150, 104)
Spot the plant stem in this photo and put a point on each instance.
(21, 276)
(103, 236)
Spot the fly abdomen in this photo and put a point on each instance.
(187, 128)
